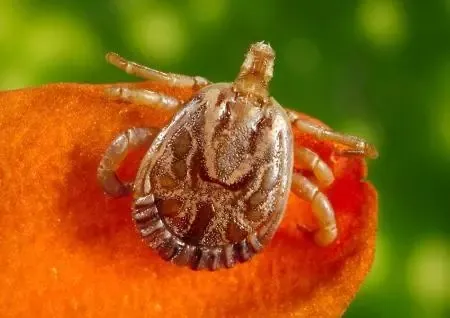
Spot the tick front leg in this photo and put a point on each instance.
(194, 82)
(118, 150)
(357, 146)
(321, 208)
(144, 97)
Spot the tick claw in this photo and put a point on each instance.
(304, 228)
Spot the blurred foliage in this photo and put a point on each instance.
(378, 68)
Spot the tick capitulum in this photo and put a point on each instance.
(213, 186)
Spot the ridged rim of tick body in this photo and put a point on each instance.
(170, 247)
(157, 234)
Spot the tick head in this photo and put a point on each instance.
(257, 70)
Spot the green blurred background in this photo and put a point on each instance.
(377, 68)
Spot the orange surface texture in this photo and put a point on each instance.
(67, 250)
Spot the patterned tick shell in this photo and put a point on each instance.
(212, 189)
(213, 186)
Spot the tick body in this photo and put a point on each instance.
(213, 186)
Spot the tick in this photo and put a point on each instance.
(213, 186)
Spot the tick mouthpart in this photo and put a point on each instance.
(257, 70)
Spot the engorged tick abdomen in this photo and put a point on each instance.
(212, 188)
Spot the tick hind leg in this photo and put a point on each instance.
(307, 190)
(321, 208)
(356, 146)
(194, 82)
(118, 150)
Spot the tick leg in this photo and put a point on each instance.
(124, 143)
(357, 146)
(312, 162)
(321, 208)
(195, 82)
(144, 96)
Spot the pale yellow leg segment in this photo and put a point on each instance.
(142, 71)
(118, 150)
(144, 97)
(358, 146)
(321, 208)
(312, 162)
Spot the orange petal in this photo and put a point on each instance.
(68, 251)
